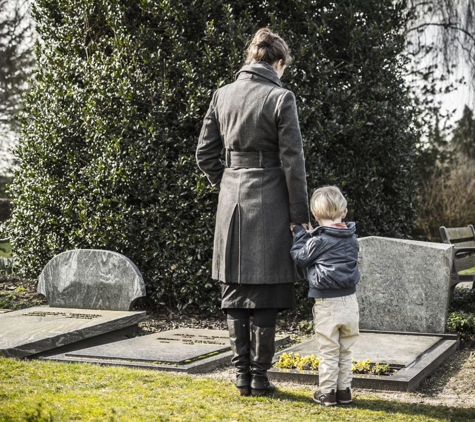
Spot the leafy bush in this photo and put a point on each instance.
(463, 300)
(462, 323)
(447, 199)
(355, 110)
(116, 105)
(4, 182)
(461, 318)
(5, 211)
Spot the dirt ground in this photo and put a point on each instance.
(452, 384)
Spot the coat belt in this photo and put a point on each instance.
(252, 159)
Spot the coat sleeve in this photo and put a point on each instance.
(291, 154)
(210, 146)
(306, 248)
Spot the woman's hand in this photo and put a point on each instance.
(307, 226)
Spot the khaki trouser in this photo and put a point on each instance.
(336, 322)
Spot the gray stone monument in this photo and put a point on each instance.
(405, 285)
(403, 298)
(89, 292)
(91, 279)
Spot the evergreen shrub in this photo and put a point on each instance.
(116, 106)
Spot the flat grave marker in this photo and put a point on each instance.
(184, 350)
(34, 330)
(412, 355)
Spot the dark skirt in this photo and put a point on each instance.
(258, 296)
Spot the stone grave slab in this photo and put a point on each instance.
(184, 350)
(413, 356)
(91, 279)
(405, 285)
(33, 330)
(171, 347)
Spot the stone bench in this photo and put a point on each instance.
(463, 266)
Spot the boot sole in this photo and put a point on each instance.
(317, 400)
(324, 403)
(244, 391)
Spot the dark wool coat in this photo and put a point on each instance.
(331, 256)
(252, 236)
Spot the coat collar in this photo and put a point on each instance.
(262, 69)
(349, 231)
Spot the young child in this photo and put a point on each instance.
(330, 252)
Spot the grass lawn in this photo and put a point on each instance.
(49, 391)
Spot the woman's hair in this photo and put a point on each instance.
(267, 46)
(328, 203)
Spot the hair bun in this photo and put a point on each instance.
(267, 46)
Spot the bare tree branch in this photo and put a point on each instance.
(445, 25)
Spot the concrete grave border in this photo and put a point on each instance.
(406, 378)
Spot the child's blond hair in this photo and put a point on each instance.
(328, 203)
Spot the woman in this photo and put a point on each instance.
(263, 189)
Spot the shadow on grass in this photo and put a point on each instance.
(287, 395)
(391, 407)
(414, 409)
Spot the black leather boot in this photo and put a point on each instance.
(239, 338)
(262, 353)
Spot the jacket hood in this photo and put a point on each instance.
(262, 69)
(349, 231)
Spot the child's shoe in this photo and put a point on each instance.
(328, 399)
(344, 396)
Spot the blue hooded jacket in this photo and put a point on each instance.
(331, 256)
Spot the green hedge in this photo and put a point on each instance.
(116, 105)
(4, 182)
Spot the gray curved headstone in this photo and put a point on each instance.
(91, 279)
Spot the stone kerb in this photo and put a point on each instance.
(405, 285)
(91, 279)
